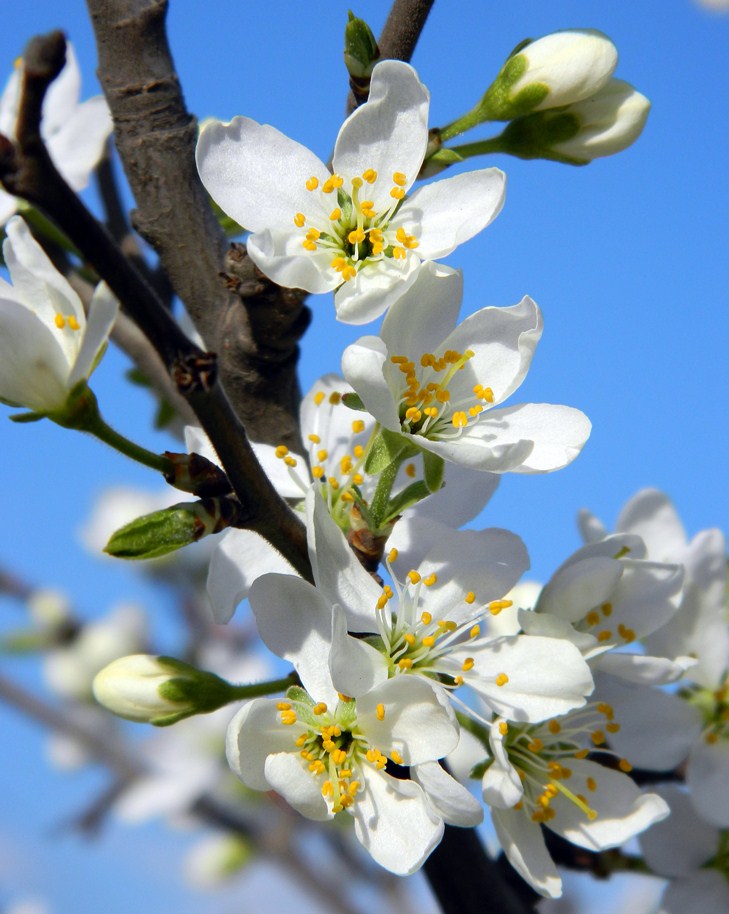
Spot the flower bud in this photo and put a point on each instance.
(159, 690)
(171, 528)
(360, 48)
(559, 69)
(599, 126)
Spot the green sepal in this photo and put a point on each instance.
(159, 533)
(21, 418)
(499, 105)
(231, 228)
(414, 493)
(354, 401)
(386, 447)
(534, 136)
(199, 691)
(440, 160)
(434, 468)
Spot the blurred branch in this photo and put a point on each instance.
(27, 170)
(256, 331)
(403, 27)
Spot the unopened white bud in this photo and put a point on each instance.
(159, 690)
(559, 69)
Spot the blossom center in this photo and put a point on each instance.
(354, 232)
(434, 402)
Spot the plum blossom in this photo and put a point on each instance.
(336, 440)
(326, 752)
(434, 634)
(354, 229)
(48, 345)
(74, 132)
(541, 775)
(438, 384)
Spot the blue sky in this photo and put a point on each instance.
(627, 259)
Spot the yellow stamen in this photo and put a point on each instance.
(60, 321)
(502, 679)
(380, 711)
(399, 178)
(299, 220)
(312, 183)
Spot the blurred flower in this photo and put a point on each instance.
(47, 344)
(74, 132)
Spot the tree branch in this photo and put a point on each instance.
(156, 139)
(27, 171)
(403, 27)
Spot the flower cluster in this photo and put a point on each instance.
(405, 687)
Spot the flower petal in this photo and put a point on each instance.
(523, 844)
(103, 310)
(362, 366)
(287, 775)
(707, 776)
(279, 254)
(452, 210)
(356, 666)
(255, 173)
(375, 288)
(451, 800)
(253, 734)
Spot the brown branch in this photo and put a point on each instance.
(156, 139)
(27, 171)
(403, 27)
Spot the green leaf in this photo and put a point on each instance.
(353, 401)
(414, 493)
(434, 467)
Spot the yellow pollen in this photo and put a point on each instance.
(592, 617)
(300, 740)
(475, 631)
(397, 193)
(299, 219)
(627, 634)
(591, 784)
(333, 482)
(399, 178)
(554, 727)
(410, 470)
(288, 717)
(475, 410)
(358, 451)
(502, 679)
(309, 245)
(413, 414)
(358, 426)
(470, 597)
(535, 745)
(319, 397)
(338, 756)
(357, 479)
(612, 728)
(582, 753)
(428, 641)
(598, 738)
(317, 472)
(495, 606)
(604, 635)
(368, 208)
(430, 580)
(290, 461)
(405, 664)
(322, 454)
(356, 236)
(426, 618)
(399, 253)
(335, 214)
(460, 419)
(458, 680)
(409, 639)
(73, 323)
(281, 451)
(60, 321)
(370, 175)
(624, 765)
(413, 577)
(380, 711)
(442, 396)
(315, 439)
(607, 609)
(467, 664)
(431, 411)
(488, 395)
(312, 183)
(396, 757)
(503, 728)
(320, 708)
(327, 788)
(392, 555)
(332, 183)
(283, 706)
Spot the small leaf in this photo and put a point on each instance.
(353, 401)
(434, 467)
(414, 493)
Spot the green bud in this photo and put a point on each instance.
(360, 48)
(159, 690)
(165, 531)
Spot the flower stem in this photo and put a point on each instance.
(481, 147)
(263, 688)
(462, 124)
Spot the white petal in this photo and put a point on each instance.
(418, 721)
(356, 666)
(237, 559)
(622, 810)
(362, 366)
(575, 589)
(287, 775)
(253, 734)
(256, 174)
(702, 892)
(450, 211)
(425, 314)
(393, 822)
(337, 571)
(651, 515)
(473, 451)
(77, 148)
(375, 288)
(501, 785)
(707, 777)
(389, 133)
(295, 621)
(451, 800)
(642, 669)
(280, 255)
(103, 310)
(524, 846)
(681, 843)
